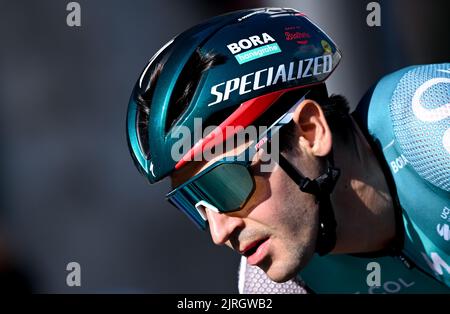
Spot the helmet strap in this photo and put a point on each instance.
(321, 187)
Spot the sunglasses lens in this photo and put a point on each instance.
(227, 187)
(183, 200)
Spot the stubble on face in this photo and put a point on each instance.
(280, 211)
(290, 218)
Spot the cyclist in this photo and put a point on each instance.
(330, 204)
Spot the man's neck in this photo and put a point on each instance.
(361, 200)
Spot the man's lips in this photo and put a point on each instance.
(258, 253)
(252, 247)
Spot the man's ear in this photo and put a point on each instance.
(314, 131)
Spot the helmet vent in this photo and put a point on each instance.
(188, 82)
(143, 101)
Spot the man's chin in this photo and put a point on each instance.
(281, 277)
(281, 273)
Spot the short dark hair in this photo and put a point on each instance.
(335, 108)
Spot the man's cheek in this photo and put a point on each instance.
(265, 213)
(281, 185)
(276, 208)
(273, 200)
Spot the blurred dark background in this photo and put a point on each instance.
(69, 189)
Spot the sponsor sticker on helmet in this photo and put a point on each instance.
(260, 46)
(306, 68)
(326, 46)
(294, 33)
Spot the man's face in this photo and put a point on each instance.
(276, 229)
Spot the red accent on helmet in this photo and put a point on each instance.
(242, 117)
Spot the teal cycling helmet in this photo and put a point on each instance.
(250, 56)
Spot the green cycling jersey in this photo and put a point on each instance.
(406, 119)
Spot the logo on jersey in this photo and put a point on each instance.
(398, 163)
(445, 213)
(260, 46)
(443, 231)
(436, 263)
(432, 115)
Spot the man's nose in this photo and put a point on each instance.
(222, 226)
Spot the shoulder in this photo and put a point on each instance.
(406, 116)
(412, 108)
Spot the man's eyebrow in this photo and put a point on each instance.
(193, 167)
